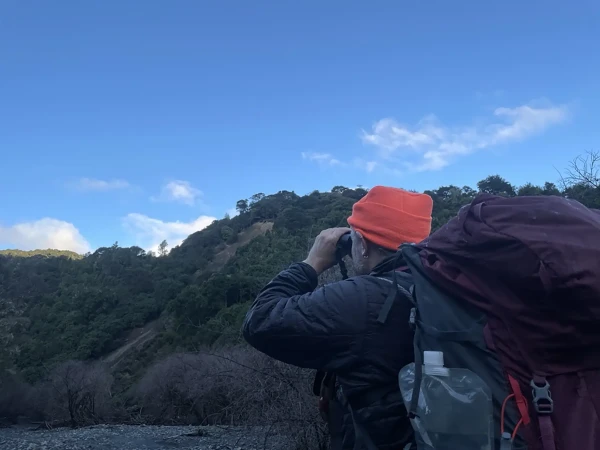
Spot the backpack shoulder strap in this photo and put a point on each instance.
(396, 290)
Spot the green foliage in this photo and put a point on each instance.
(242, 206)
(447, 200)
(496, 185)
(339, 189)
(227, 233)
(257, 197)
(162, 248)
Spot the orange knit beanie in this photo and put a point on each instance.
(390, 216)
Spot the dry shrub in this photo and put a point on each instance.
(166, 392)
(234, 386)
(76, 393)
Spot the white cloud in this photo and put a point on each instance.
(93, 184)
(44, 234)
(370, 166)
(150, 232)
(179, 191)
(435, 145)
(232, 212)
(321, 158)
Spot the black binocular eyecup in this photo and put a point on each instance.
(344, 245)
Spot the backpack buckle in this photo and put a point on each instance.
(542, 398)
(412, 321)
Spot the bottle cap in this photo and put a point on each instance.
(433, 358)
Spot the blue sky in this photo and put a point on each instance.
(141, 120)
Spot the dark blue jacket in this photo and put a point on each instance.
(335, 329)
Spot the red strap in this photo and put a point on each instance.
(520, 399)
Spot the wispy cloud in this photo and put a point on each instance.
(321, 158)
(94, 184)
(46, 233)
(430, 145)
(232, 212)
(370, 166)
(179, 191)
(149, 232)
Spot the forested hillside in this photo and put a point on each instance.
(62, 308)
(152, 327)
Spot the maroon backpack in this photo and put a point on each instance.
(510, 289)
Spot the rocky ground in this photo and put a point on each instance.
(125, 437)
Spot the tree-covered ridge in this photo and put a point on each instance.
(58, 309)
(48, 253)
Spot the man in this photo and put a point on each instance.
(338, 328)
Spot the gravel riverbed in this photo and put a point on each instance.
(128, 437)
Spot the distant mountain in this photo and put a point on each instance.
(48, 253)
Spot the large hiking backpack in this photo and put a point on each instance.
(510, 289)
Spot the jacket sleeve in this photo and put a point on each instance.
(321, 329)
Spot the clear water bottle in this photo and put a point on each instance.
(454, 407)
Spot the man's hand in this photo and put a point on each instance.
(322, 254)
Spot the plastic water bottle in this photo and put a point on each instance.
(454, 408)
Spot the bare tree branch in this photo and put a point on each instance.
(583, 170)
